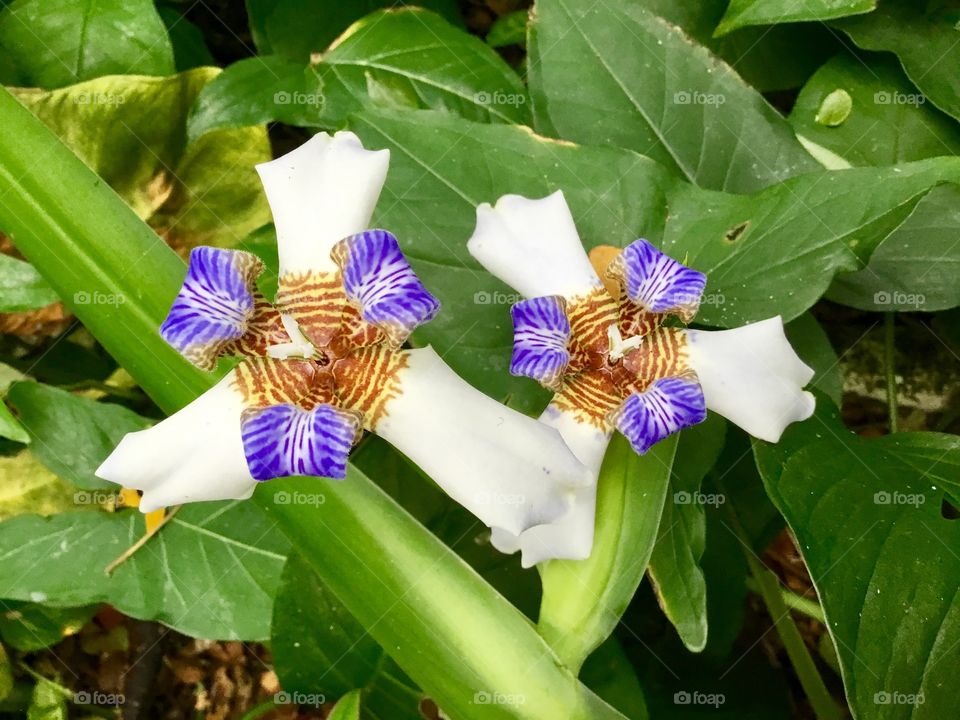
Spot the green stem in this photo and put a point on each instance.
(806, 606)
(889, 320)
(822, 702)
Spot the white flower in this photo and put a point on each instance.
(324, 364)
(601, 345)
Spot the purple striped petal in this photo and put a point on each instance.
(214, 305)
(540, 334)
(283, 440)
(657, 282)
(378, 279)
(666, 406)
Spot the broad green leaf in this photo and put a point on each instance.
(347, 707)
(612, 73)
(917, 266)
(767, 254)
(49, 702)
(21, 287)
(72, 435)
(6, 674)
(583, 600)
(774, 252)
(28, 627)
(27, 486)
(10, 427)
(609, 673)
(189, 47)
(890, 121)
(430, 199)
(57, 44)
(742, 13)
(866, 514)
(296, 29)
(131, 130)
(675, 562)
(926, 39)
(778, 57)
(210, 572)
(337, 656)
(509, 29)
(406, 58)
(474, 638)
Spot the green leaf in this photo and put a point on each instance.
(410, 592)
(866, 514)
(583, 600)
(509, 29)
(675, 562)
(925, 41)
(774, 252)
(131, 130)
(778, 57)
(10, 427)
(296, 29)
(74, 40)
(337, 656)
(916, 266)
(21, 287)
(72, 435)
(889, 123)
(189, 47)
(27, 486)
(49, 702)
(211, 572)
(742, 13)
(6, 674)
(609, 673)
(611, 73)
(29, 627)
(405, 58)
(347, 707)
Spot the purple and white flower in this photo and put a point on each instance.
(324, 363)
(602, 346)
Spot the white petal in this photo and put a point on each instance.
(570, 537)
(508, 469)
(752, 376)
(533, 246)
(195, 454)
(320, 193)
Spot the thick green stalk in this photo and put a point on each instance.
(583, 600)
(445, 626)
